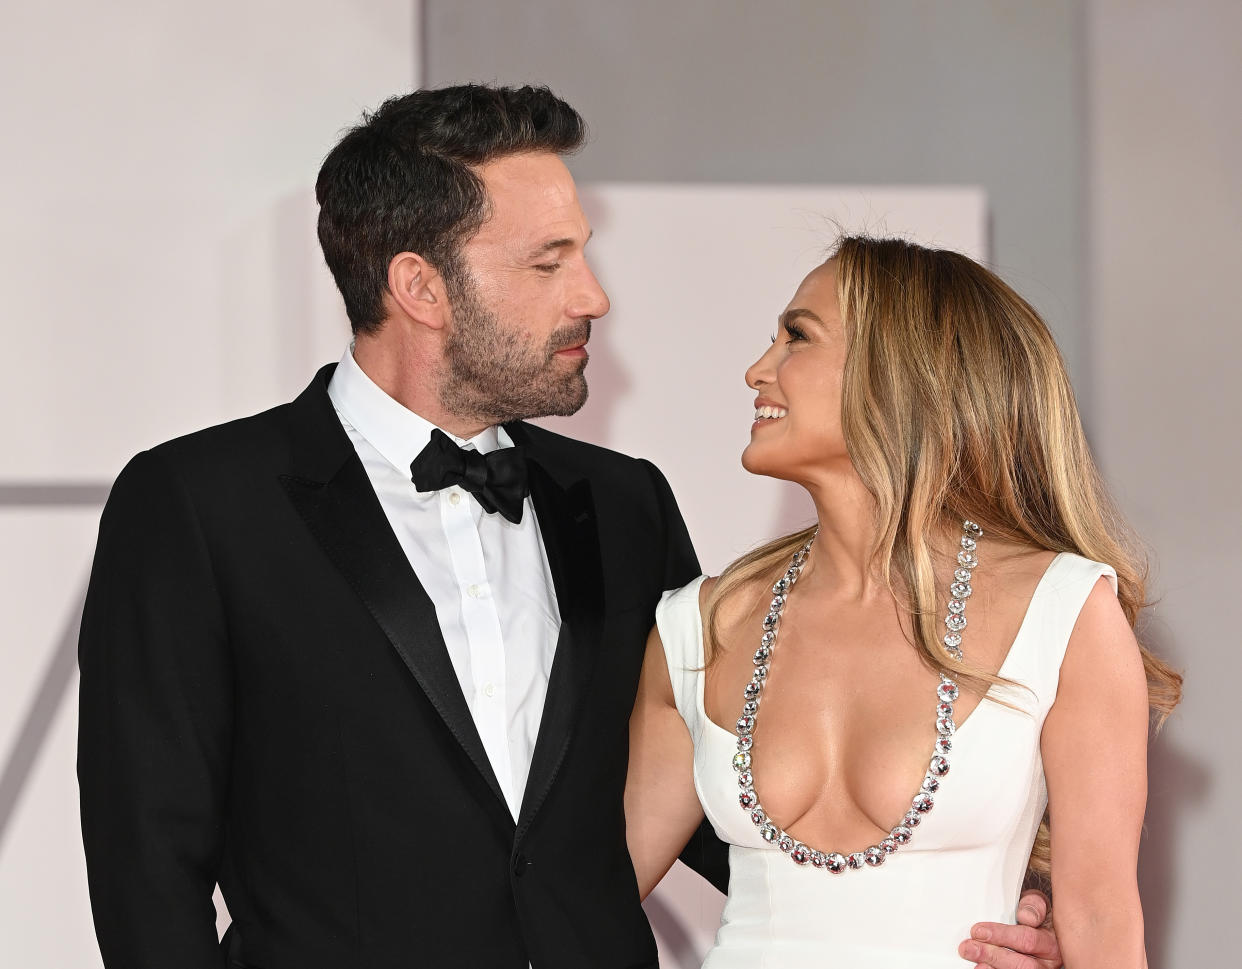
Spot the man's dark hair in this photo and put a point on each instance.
(403, 181)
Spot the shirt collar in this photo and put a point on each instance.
(394, 430)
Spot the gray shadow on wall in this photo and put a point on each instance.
(39, 718)
(53, 494)
(1178, 783)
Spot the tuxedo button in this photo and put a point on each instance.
(489, 690)
(520, 864)
(454, 497)
(474, 591)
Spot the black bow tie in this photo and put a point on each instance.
(497, 480)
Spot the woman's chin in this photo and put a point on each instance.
(759, 459)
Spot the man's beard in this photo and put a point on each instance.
(495, 375)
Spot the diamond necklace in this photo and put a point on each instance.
(946, 693)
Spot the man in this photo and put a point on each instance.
(366, 660)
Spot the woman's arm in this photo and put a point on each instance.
(1094, 746)
(662, 808)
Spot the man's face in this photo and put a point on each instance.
(516, 345)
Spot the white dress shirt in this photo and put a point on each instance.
(488, 578)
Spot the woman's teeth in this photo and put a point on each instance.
(770, 413)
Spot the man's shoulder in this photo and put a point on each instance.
(215, 467)
(257, 439)
(590, 460)
(261, 443)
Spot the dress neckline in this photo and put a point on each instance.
(992, 694)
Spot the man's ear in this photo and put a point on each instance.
(417, 288)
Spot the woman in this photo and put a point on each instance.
(819, 701)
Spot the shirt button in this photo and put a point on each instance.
(454, 497)
(489, 689)
(473, 591)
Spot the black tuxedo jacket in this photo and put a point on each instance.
(267, 702)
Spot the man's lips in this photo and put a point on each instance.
(573, 352)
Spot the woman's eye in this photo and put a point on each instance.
(792, 332)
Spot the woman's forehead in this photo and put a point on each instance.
(818, 291)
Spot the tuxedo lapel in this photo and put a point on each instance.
(331, 491)
(566, 513)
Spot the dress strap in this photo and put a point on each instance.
(1037, 652)
(680, 625)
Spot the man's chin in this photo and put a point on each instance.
(565, 403)
(566, 406)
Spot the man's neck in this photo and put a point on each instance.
(405, 375)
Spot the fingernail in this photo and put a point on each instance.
(970, 950)
(1030, 912)
(981, 932)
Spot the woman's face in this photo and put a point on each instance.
(797, 430)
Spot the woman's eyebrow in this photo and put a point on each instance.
(797, 313)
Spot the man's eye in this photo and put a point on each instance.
(548, 267)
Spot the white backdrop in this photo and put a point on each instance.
(697, 275)
(159, 273)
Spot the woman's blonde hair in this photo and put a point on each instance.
(956, 404)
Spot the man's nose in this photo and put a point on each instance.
(591, 299)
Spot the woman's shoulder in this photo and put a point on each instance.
(1103, 670)
(679, 634)
(678, 620)
(1070, 585)
(682, 598)
(1054, 602)
(707, 585)
(1022, 570)
(732, 603)
(698, 594)
(1074, 570)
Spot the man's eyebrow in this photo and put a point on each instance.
(795, 313)
(554, 244)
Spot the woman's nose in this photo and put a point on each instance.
(762, 371)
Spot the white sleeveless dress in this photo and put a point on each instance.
(968, 857)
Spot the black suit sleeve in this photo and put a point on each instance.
(705, 854)
(154, 727)
(681, 565)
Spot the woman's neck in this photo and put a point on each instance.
(841, 558)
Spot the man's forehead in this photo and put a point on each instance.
(533, 196)
(530, 175)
